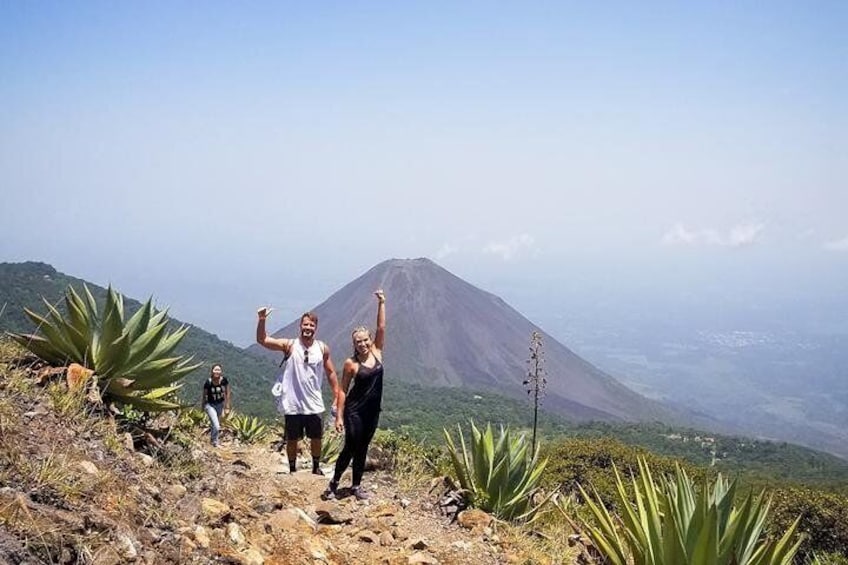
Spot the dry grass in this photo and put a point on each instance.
(68, 404)
(543, 543)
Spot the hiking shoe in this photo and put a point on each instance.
(318, 471)
(330, 493)
(359, 493)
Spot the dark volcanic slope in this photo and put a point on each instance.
(442, 331)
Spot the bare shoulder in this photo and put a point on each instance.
(350, 365)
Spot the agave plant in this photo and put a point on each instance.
(191, 417)
(247, 429)
(331, 446)
(501, 476)
(673, 522)
(131, 358)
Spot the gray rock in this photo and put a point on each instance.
(125, 547)
(234, 533)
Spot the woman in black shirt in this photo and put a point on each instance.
(216, 399)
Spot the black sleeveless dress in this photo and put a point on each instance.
(364, 400)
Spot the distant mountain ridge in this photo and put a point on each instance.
(443, 331)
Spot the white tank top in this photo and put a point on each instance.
(302, 380)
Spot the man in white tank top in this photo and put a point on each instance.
(308, 363)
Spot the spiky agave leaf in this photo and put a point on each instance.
(41, 347)
(248, 429)
(670, 521)
(331, 447)
(133, 358)
(498, 472)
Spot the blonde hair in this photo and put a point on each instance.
(355, 331)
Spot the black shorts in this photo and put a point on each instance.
(297, 424)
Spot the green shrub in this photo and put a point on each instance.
(399, 445)
(500, 475)
(130, 358)
(576, 462)
(823, 518)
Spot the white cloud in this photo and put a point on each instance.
(837, 244)
(445, 250)
(741, 235)
(510, 248)
(679, 235)
(744, 235)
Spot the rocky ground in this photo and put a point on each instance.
(75, 488)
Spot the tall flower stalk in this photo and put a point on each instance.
(536, 380)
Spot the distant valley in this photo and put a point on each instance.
(789, 385)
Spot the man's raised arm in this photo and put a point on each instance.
(262, 336)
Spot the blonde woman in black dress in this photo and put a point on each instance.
(360, 404)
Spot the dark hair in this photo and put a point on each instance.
(311, 315)
(212, 368)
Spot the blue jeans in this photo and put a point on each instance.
(214, 411)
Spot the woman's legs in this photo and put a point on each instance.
(358, 434)
(360, 452)
(352, 427)
(213, 412)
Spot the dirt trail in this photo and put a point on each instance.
(390, 527)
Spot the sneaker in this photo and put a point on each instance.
(359, 493)
(330, 493)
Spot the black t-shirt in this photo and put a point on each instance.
(215, 392)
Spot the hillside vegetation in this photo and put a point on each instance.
(422, 411)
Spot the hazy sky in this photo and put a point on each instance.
(224, 155)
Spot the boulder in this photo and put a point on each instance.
(330, 513)
(213, 509)
(201, 537)
(474, 519)
(290, 519)
(77, 376)
(235, 535)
